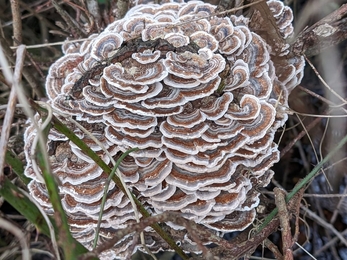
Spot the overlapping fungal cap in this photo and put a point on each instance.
(201, 99)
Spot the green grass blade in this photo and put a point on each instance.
(65, 239)
(25, 207)
(16, 166)
(104, 197)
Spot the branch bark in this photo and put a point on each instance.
(328, 32)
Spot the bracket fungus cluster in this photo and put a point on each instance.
(200, 95)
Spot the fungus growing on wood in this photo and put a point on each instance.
(201, 99)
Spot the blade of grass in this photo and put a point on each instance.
(25, 207)
(16, 166)
(105, 192)
(303, 182)
(53, 237)
(65, 239)
(59, 126)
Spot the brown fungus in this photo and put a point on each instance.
(201, 98)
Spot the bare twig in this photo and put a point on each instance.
(273, 248)
(39, 9)
(324, 224)
(299, 136)
(37, 14)
(33, 62)
(324, 82)
(284, 217)
(37, 46)
(330, 103)
(17, 22)
(338, 207)
(330, 243)
(73, 26)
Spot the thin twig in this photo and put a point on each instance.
(74, 27)
(287, 240)
(324, 82)
(273, 248)
(40, 9)
(38, 46)
(330, 243)
(338, 207)
(330, 103)
(17, 22)
(324, 224)
(37, 14)
(299, 136)
(325, 195)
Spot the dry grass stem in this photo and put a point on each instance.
(38, 46)
(325, 100)
(330, 243)
(10, 227)
(325, 195)
(324, 82)
(338, 207)
(299, 136)
(6, 128)
(49, 224)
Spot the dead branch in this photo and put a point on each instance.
(328, 32)
(284, 217)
